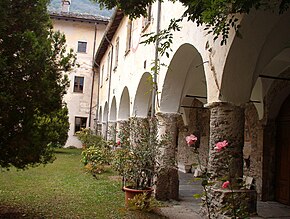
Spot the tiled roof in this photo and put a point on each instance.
(78, 17)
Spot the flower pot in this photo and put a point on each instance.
(130, 193)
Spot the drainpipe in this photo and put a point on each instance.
(154, 92)
(92, 88)
(109, 88)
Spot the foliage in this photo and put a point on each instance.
(234, 203)
(136, 160)
(88, 138)
(80, 6)
(142, 202)
(95, 158)
(96, 153)
(33, 60)
(218, 15)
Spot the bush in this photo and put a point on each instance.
(96, 152)
(95, 158)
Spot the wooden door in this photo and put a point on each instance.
(283, 154)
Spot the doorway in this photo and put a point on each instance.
(282, 190)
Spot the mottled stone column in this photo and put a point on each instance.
(104, 130)
(111, 136)
(138, 127)
(227, 123)
(123, 131)
(167, 183)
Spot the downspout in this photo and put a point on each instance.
(109, 88)
(93, 81)
(154, 91)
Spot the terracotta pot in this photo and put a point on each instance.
(130, 193)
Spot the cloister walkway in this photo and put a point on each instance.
(188, 207)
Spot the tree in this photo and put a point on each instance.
(33, 59)
(217, 15)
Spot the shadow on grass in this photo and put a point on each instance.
(14, 212)
(73, 151)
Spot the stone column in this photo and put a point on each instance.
(138, 127)
(112, 131)
(104, 130)
(167, 183)
(123, 131)
(227, 123)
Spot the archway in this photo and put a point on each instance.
(143, 96)
(105, 121)
(282, 187)
(182, 111)
(111, 132)
(124, 107)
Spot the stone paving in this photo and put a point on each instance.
(188, 207)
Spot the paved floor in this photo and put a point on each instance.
(188, 207)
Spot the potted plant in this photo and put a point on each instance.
(136, 158)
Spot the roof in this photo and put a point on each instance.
(69, 16)
(108, 35)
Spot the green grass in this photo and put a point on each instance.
(61, 190)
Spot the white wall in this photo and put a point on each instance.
(79, 103)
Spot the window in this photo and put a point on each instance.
(147, 19)
(82, 46)
(129, 36)
(80, 123)
(109, 65)
(102, 76)
(79, 84)
(116, 53)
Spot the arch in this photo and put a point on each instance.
(105, 115)
(100, 115)
(143, 96)
(185, 77)
(113, 110)
(124, 107)
(248, 57)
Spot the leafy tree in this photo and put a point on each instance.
(218, 15)
(33, 60)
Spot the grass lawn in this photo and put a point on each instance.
(61, 190)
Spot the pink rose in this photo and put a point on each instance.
(191, 139)
(225, 184)
(220, 145)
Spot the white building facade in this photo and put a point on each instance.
(83, 34)
(237, 92)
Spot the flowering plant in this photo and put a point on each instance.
(135, 159)
(227, 182)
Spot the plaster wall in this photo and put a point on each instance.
(79, 103)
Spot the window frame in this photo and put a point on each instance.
(81, 123)
(82, 42)
(77, 87)
(129, 36)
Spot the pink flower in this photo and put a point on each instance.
(220, 145)
(191, 139)
(225, 184)
(118, 142)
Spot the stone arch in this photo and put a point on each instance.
(124, 107)
(105, 114)
(185, 76)
(248, 57)
(100, 115)
(113, 110)
(143, 96)
(182, 112)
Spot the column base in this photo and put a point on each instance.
(225, 203)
